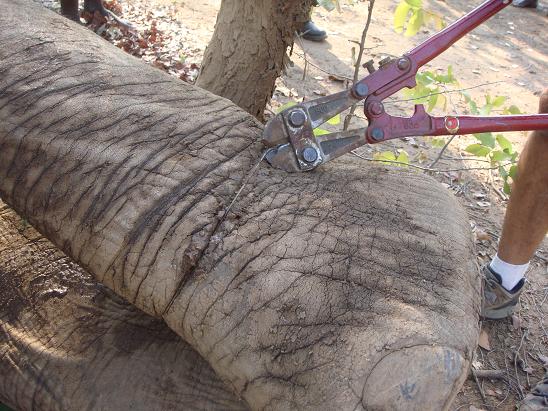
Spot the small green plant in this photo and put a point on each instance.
(495, 147)
(410, 16)
(430, 87)
(399, 159)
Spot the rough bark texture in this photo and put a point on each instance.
(68, 343)
(248, 49)
(350, 287)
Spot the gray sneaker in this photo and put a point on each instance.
(498, 302)
(537, 399)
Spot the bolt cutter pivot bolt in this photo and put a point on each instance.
(403, 63)
(377, 134)
(297, 118)
(310, 154)
(376, 108)
(361, 90)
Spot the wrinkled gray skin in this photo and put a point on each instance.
(350, 287)
(68, 343)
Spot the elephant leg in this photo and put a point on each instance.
(350, 287)
(68, 343)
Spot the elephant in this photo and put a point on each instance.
(349, 287)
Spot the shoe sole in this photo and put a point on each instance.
(314, 38)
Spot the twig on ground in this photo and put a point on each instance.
(301, 45)
(465, 159)
(305, 58)
(503, 196)
(433, 163)
(479, 387)
(489, 374)
(516, 355)
(433, 170)
(447, 92)
(348, 118)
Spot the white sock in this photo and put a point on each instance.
(511, 274)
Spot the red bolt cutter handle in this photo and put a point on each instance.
(383, 126)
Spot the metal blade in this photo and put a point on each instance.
(283, 157)
(274, 133)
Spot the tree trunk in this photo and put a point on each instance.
(248, 49)
(347, 287)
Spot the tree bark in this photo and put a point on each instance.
(248, 49)
(350, 287)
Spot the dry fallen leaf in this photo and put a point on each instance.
(334, 77)
(482, 235)
(516, 322)
(484, 341)
(490, 392)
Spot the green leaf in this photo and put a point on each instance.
(400, 16)
(486, 139)
(403, 157)
(335, 120)
(415, 23)
(486, 109)
(499, 101)
(385, 155)
(503, 173)
(513, 171)
(497, 156)
(285, 106)
(512, 110)
(432, 102)
(471, 103)
(438, 142)
(416, 4)
(442, 102)
(320, 132)
(504, 143)
(478, 150)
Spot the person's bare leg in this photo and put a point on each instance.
(525, 225)
(526, 219)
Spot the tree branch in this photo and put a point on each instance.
(348, 118)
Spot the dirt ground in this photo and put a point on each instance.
(506, 56)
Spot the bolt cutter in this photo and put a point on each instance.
(290, 138)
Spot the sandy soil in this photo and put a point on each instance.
(506, 56)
